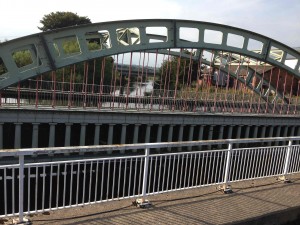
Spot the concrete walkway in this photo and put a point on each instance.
(266, 201)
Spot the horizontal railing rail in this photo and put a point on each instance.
(31, 187)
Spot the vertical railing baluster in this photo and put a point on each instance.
(208, 177)
(28, 189)
(44, 185)
(140, 177)
(57, 185)
(220, 167)
(21, 187)
(108, 180)
(215, 167)
(181, 172)
(134, 179)
(173, 169)
(102, 180)
(164, 174)
(90, 183)
(205, 179)
(5, 191)
(71, 184)
(194, 166)
(201, 171)
(50, 194)
(176, 177)
(77, 183)
(113, 181)
(119, 179)
(125, 177)
(96, 182)
(159, 174)
(190, 167)
(13, 190)
(65, 185)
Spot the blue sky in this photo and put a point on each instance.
(277, 19)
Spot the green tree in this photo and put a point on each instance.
(57, 20)
(22, 58)
(187, 74)
(2, 67)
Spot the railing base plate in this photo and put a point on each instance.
(225, 190)
(17, 221)
(284, 179)
(142, 203)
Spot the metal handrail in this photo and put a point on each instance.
(95, 179)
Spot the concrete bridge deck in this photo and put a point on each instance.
(264, 201)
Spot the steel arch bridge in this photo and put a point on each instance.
(245, 56)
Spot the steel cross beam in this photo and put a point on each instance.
(47, 52)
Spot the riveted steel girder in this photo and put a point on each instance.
(47, 52)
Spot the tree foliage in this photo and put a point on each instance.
(91, 68)
(22, 58)
(93, 71)
(2, 67)
(56, 20)
(187, 75)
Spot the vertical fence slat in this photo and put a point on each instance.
(113, 182)
(21, 188)
(77, 183)
(159, 174)
(13, 191)
(43, 194)
(125, 177)
(28, 191)
(71, 184)
(119, 179)
(57, 184)
(108, 179)
(50, 194)
(65, 183)
(5, 191)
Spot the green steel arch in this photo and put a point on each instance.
(47, 52)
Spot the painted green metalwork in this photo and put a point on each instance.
(47, 52)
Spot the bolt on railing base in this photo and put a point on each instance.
(142, 203)
(24, 221)
(284, 179)
(226, 189)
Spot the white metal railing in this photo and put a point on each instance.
(28, 187)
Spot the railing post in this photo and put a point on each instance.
(286, 163)
(226, 188)
(21, 188)
(143, 202)
(145, 176)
